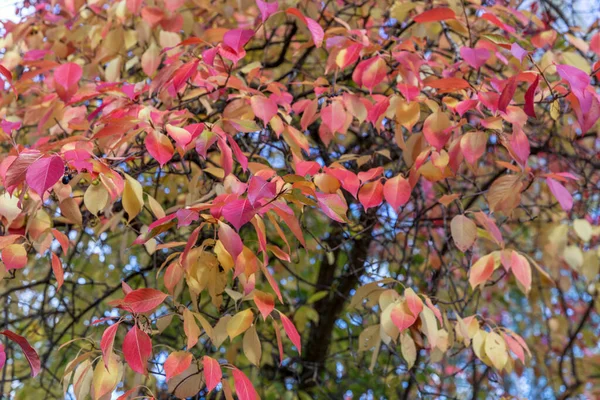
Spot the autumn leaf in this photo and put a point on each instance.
(176, 363)
(144, 300)
(464, 232)
(212, 372)
(137, 349)
(32, 357)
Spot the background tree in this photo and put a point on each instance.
(341, 199)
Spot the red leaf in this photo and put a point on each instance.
(435, 14)
(529, 96)
(7, 74)
(507, 94)
(107, 343)
(397, 191)
(173, 275)
(243, 386)
(30, 353)
(144, 300)
(67, 78)
(212, 372)
(291, 332)
(265, 303)
(448, 84)
(44, 173)
(62, 239)
(401, 317)
(279, 341)
(176, 363)
(137, 349)
(371, 194)
(57, 268)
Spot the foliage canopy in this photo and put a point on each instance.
(299, 199)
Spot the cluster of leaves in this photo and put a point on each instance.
(183, 181)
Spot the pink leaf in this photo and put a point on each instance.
(236, 39)
(185, 217)
(2, 356)
(259, 189)
(67, 78)
(476, 58)
(291, 332)
(264, 108)
(578, 80)
(243, 386)
(522, 270)
(529, 97)
(266, 9)
(333, 206)
(313, 26)
(107, 343)
(137, 349)
(397, 191)
(238, 212)
(518, 51)
(30, 353)
(330, 116)
(144, 300)
(44, 173)
(231, 240)
(561, 193)
(159, 146)
(212, 372)
(181, 136)
(519, 145)
(507, 94)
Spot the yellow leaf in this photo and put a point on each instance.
(133, 197)
(408, 349)
(429, 326)
(105, 381)
(495, 349)
(239, 323)
(583, 229)
(251, 346)
(191, 329)
(95, 198)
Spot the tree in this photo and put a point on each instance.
(350, 199)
